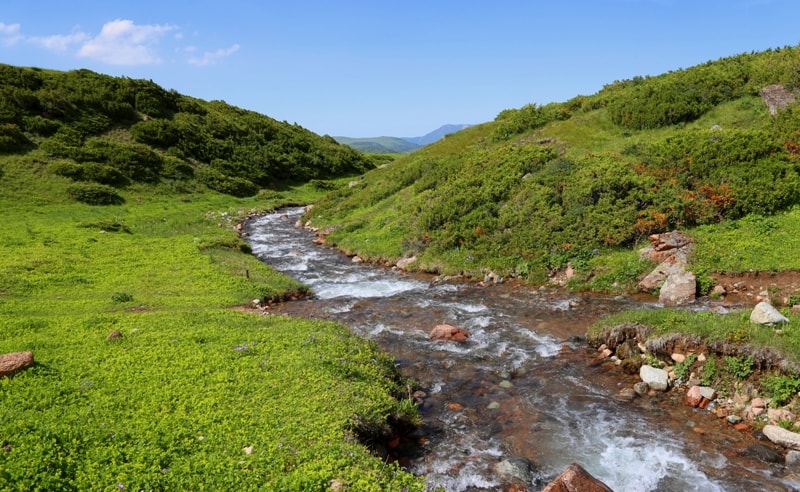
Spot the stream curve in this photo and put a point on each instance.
(520, 386)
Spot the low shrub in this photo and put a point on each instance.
(780, 388)
(94, 194)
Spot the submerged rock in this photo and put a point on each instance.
(449, 333)
(575, 479)
(517, 468)
(763, 453)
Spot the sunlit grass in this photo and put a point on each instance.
(194, 394)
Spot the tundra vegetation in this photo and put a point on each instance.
(585, 182)
(119, 204)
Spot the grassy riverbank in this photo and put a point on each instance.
(194, 394)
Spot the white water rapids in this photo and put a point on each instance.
(516, 396)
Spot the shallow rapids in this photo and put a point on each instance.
(520, 386)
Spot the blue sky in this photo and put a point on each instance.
(397, 68)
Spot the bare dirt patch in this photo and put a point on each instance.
(750, 286)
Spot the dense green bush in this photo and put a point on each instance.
(88, 171)
(11, 138)
(515, 121)
(136, 161)
(94, 194)
(230, 185)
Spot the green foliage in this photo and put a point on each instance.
(121, 297)
(129, 125)
(89, 171)
(780, 388)
(652, 360)
(705, 282)
(739, 367)
(191, 385)
(683, 369)
(11, 138)
(677, 97)
(512, 122)
(94, 194)
(710, 372)
(230, 185)
(696, 148)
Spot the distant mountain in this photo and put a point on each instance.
(379, 145)
(435, 135)
(398, 145)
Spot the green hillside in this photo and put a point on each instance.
(587, 180)
(123, 273)
(106, 133)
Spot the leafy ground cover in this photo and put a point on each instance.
(193, 395)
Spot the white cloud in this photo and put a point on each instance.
(9, 34)
(211, 57)
(121, 42)
(60, 42)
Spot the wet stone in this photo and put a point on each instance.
(516, 468)
(763, 453)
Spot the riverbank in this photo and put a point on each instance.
(733, 382)
(145, 378)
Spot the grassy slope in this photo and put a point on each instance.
(392, 213)
(173, 404)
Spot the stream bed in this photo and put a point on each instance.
(521, 386)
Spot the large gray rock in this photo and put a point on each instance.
(678, 289)
(518, 468)
(793, 460)
(659, 275)
(782, 437)
(765, 314)
(657, 379)
(404, 263)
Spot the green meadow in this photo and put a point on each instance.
(118, 207)
(194, 395)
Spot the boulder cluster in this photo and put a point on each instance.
(746, 410)
(674, 283)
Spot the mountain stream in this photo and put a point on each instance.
(521, 386)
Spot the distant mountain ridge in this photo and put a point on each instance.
(399, 145)
(436, 135)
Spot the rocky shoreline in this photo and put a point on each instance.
(649, 368)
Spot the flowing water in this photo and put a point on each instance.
(521, 386)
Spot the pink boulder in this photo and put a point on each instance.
(449, 333)
(575, 479)
(15, 361)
